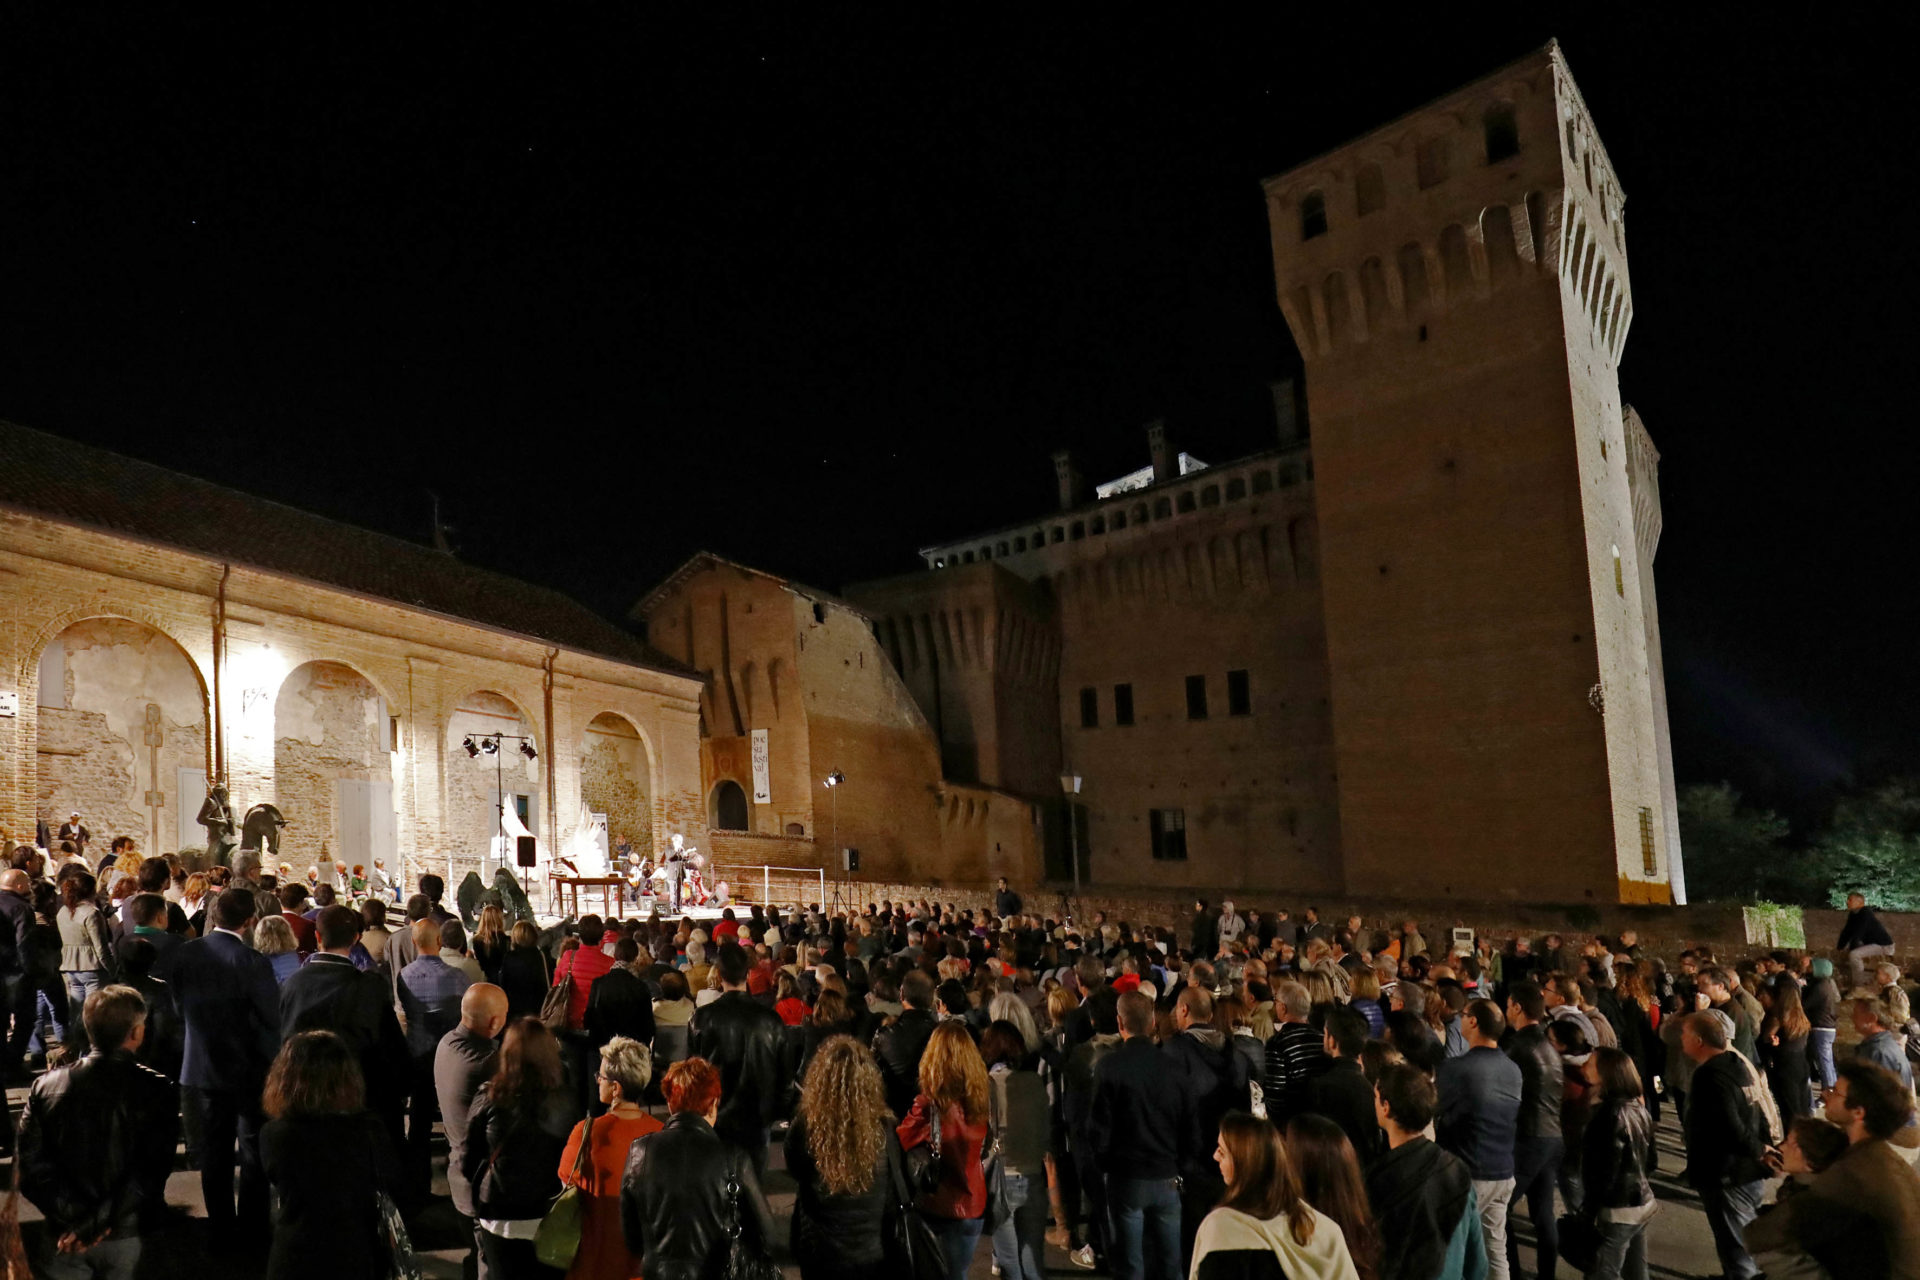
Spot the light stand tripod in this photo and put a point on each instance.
(842, 885)
(489, 744)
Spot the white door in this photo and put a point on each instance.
(366, 822)
(189, 793)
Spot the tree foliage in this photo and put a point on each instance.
(1734, 851)
(1872, 845)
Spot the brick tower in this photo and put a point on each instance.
(1457, 284)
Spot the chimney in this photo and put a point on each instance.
(1164, 465)
(1068, 479)
(1288, 413)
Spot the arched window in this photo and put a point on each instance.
(1003, 549)
(728, 808)
(1119, 520)
(1456, 263)
(1139, 513)
(1412, 261)
(1339, 308)
(1373, 293)
(1369, 190)
(1059, 534)
(1019, 544)
(1099, 526)
(1432, 162)
(1502, 131)
(1262, 482)
(1210, 496)
(1185, 501)
(1313, 215)
(1162, 508)
(1236, 489)
(986, 553)
(1079, 530)
(1503, 257)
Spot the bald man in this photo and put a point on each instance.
(16, 918)
(460, 1065)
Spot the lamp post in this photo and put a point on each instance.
(833, 782)
(1070, 787)
(489, 744)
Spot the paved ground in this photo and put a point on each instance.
(1681, 1245)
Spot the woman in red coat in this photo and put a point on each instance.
(625, 1068)
(953, 1087)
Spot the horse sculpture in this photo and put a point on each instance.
(261, 830)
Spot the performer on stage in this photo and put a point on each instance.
(676, 867)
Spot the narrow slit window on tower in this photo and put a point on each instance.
(1619, 577)
(1431, 162)
(1196, 697)
(1239, 694)
(1123, 704)
(1169, 831)
(1649, 856)
(1503, 133)
(1313, 215)
(1089, 708)
(1369, 190)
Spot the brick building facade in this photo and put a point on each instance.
(158, 631)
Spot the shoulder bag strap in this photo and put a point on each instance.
(580, 1159)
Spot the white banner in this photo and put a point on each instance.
(762, 784)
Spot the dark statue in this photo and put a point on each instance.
(217, 817)
(261, 829)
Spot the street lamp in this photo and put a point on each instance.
(1070, 786)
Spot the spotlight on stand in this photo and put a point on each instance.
(835, 778)
(470, 748)
(490, 745)
(526, 749)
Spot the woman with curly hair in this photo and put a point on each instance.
(953, 1095)
(837, 1151)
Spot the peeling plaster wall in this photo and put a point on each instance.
(92, 753)
(328, 724)
(470, 818)
(613, 781)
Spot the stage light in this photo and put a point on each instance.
(526, 749)
(490, 745)
(471, 749)
(835, 778)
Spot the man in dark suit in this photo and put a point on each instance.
(145, 916)
(1341, 1092)
(619, 1002)
(747, 1042)
(328, 993)
(230, 1005)
(16, 984)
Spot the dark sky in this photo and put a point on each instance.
(815, 295)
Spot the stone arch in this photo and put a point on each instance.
(1503, 255)
(333, 767)
(727, 808)
(473, 783)
(123, 726)
(1456, 264)
(617, 778)
(1373, 293)
(1414, 283)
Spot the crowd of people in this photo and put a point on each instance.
(1250, 1094)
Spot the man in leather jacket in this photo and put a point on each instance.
(1539, 1144)
(747, 1042)
(898, 1047)
(96, 1144)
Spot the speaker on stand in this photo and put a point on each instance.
(843, 888)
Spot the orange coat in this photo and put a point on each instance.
(603, 1246)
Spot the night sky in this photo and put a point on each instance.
(815, 295)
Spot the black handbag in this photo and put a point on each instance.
(912, 1250)
(1579, 1240)
(744, 1261)
(923, 1163)
(992, 1167)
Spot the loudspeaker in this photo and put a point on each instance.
(849, 859)
(526, 846)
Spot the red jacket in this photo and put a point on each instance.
(304, 935)
(962, 1192)
(582, 965)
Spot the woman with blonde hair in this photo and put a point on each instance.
(626, 1068)
(1264, 1219)
(953, 1099)
(490, 942)
(273, 938)
(837, 1150)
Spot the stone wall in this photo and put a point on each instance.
(613, 781)
(329, 724)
